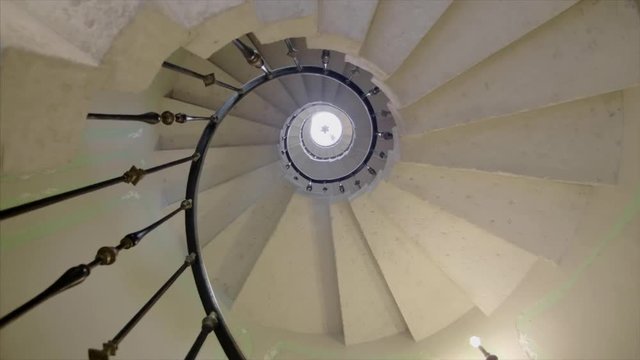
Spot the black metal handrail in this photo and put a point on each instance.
(214, 320)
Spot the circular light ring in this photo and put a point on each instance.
(325, 128)
(326, 132)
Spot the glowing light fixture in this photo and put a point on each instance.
(475, 341)
(326, 128)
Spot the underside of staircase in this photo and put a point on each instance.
(506, 202)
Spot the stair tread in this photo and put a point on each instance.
(467, 33)
(343, 25)
(231, 61)
(232, 131)
(192, 90)
(221, 165)
(427, 298)
(396, 29)
(231, 255)
(487, 267)
(541, 69)
(539, 216)
(578, 141)
(295, 277)
(368, 309)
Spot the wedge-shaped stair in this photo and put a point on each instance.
(222, 164)
(231, 255)
(467, 33)
(293, 284)
(343, 25)
(488, 268)
(276, 54)
(590, 49)
(231, 61)
(285, 19)
(231, 132)
(396, 28)
(427, 298)
(537, 215)
(368, 309)
(220, 205)
(191, 90)
(578, 141)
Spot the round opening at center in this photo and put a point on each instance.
(325, 128)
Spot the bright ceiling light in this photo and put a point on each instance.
(475, 341)
(326, 128)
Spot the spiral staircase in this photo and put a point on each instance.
(497, 192)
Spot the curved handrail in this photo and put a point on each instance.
(205, 291)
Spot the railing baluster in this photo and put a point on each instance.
(110, 347)
(291, 52)
(131, 176)
(106, 255)
(353, 72)
(167, 117)
(209, 79)
(374, 91)
(326, 55)
(385, 135)
(208, 325)
(252, 56)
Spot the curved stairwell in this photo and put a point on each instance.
(505, 206)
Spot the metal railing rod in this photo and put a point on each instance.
(167, 117)
(132, 176)
(208, 79)
(106, 255)
(252, 56)
(110, 347)
(291, 52)
(208, 325)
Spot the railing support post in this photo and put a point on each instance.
(208, 325)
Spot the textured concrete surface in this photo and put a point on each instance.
(396, 29)
(368, 309)
(604, 36)
(467, 33)
(427, 298)
(578, 141)
(306, 273)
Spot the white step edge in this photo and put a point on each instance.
(427, 298)
(396, 29)
(541, 69)
(537, 215)
(578, 142)
(231, 255)
(343, 25)
(221, 164)
(233, 131)
(468, 33)
(293, 284)
(487, 267)
(368, 309)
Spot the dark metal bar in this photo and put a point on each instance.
(110, 347)
(132, 176)
(291, 52)
(149, 117)
(208, 79)
(385, 135)
(209, 323)
(106, 255)
(252, 56)
(167, 117)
